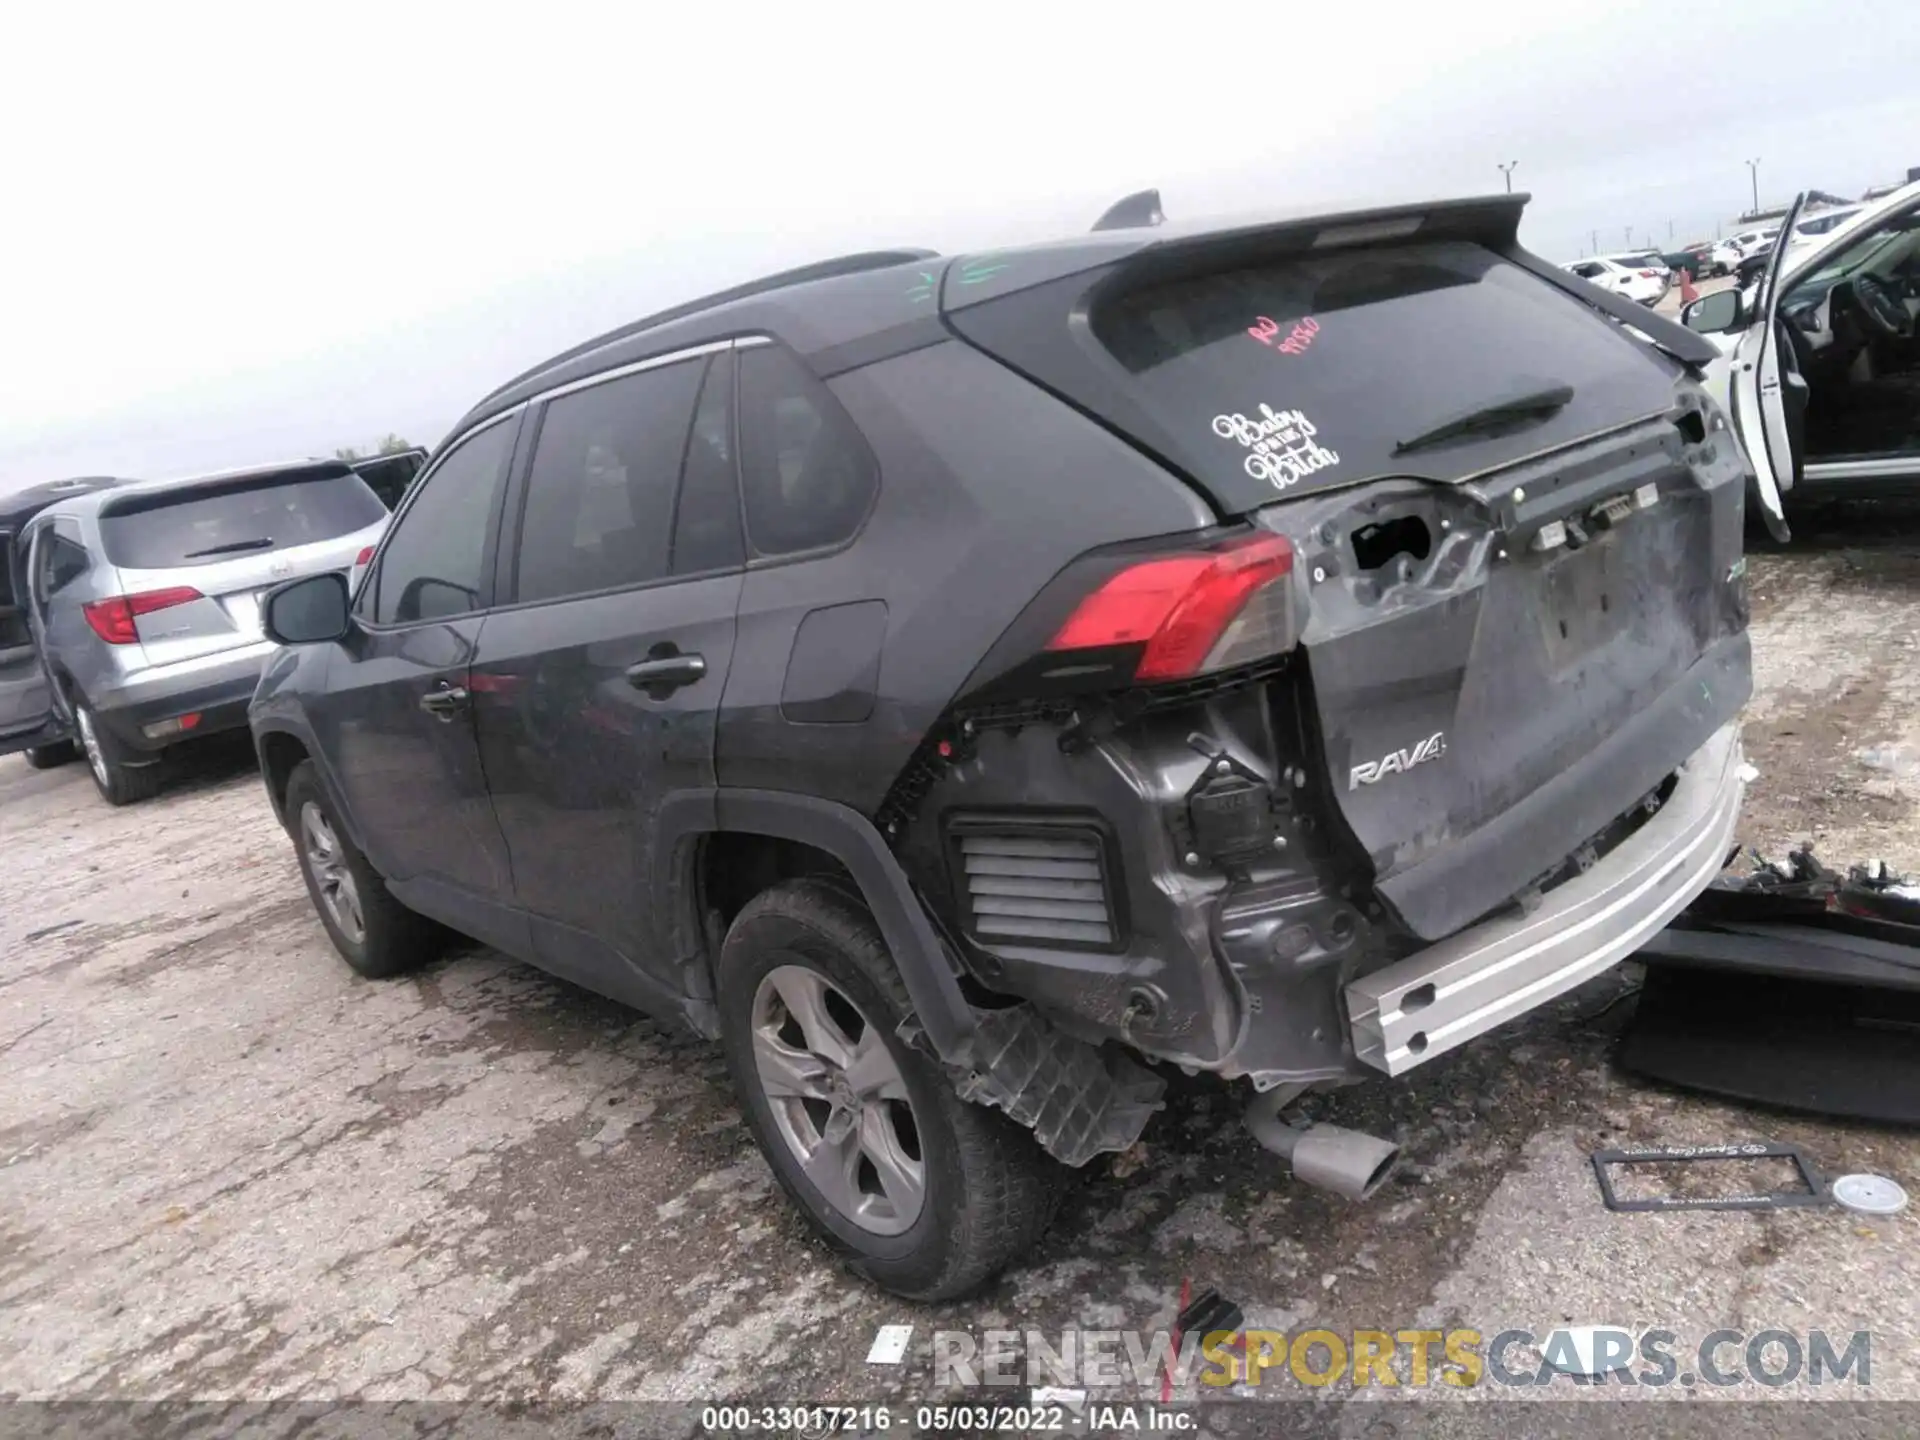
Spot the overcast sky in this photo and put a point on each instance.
(231, 236)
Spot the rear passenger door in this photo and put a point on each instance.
(598, 678)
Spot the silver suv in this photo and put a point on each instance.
(137, 606)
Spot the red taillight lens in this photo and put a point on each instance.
(1193, 612)
(1649, 274)
(112, 620)
(363, 557)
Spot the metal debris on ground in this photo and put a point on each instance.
(889, 1345)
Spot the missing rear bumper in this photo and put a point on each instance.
(1489, 973)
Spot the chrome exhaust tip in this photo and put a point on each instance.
(1328, 1156)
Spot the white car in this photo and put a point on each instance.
(1820, 358)
(1809, 231)
(1637, 282)
(1751, 242)
(1640, 260)
(1722, 257)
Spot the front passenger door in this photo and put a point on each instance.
(1769, 393)
(27, 719)
(396, 716)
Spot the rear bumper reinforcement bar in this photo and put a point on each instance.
(1469, 983)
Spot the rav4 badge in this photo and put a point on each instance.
(1394, 762)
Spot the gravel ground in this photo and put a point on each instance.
(230, 1169)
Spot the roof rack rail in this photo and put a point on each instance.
(854, 264)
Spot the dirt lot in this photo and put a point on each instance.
(228, 1168)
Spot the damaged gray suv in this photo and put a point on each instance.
(966, 686)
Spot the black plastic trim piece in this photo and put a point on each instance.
(940, 1009)
(1079, 1100)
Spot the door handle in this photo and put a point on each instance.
(445, 702)
(664, 674)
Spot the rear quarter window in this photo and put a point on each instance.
(251, 517)
(807, 476)
(1313, 368)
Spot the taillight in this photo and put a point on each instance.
(1193, 611)
(1649, 274)
(364, 557)
(112, 620)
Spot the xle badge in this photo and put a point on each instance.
(1396, 762)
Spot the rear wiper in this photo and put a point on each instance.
(1535, 403)
(233, 547)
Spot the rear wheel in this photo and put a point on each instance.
(121, 776)
(924, 1193)
(374, 933)
(46, 757)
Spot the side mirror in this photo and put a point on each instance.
(307, 612)
(1714, 314)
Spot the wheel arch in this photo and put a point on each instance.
(689, 818)
(280, 747)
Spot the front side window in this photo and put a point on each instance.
(806, 473)
(600, 494)
(433, 563)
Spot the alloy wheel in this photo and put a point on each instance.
(838, 1099)
(334, 882)
(90, 742)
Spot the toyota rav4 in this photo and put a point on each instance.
(966, 687)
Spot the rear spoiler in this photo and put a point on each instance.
(1674, 339)
(158, 497)
(1169, 249)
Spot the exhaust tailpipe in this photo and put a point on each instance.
(1343, 1161)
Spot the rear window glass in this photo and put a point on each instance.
(1314, 368)
(203, 527)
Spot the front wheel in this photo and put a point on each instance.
(117, 775)
(374, 933)
(924, 1193)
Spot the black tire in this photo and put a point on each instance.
(392, 939)
(123, 776)
(989, 1188)
(48, 757)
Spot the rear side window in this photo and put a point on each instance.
(600, 495)
(62, 561)
(389, 475)
(1315, 368)
(432, 563)
(806, 474)
(250, 517)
